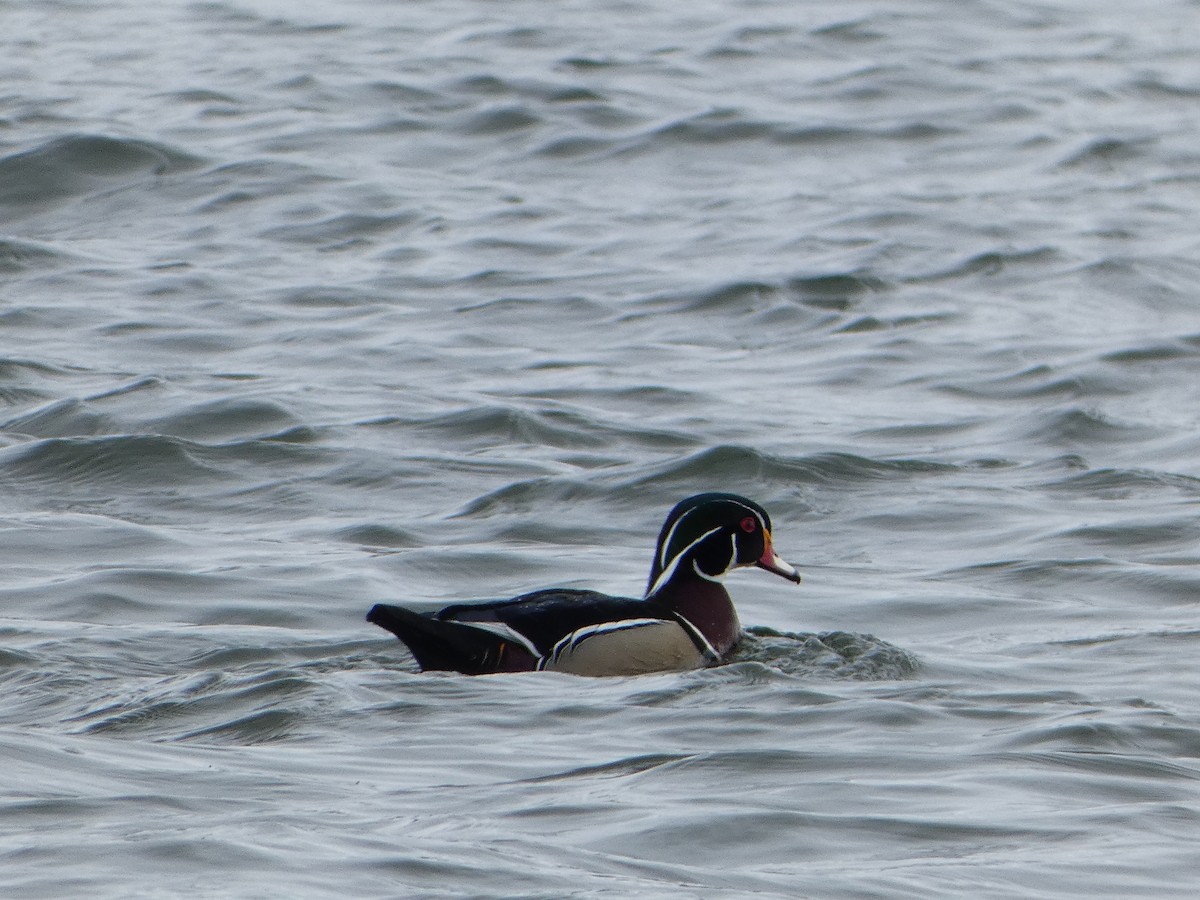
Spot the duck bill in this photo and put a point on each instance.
(773, 562)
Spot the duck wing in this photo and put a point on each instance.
(547, 616)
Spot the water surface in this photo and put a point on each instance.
(311, 306)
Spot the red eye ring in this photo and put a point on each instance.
(749, 524)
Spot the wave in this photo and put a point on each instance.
(131, 461)
(727, 467)
(227, 419)
(1074, 426)
(77, 165)
(21, 256)
(1105, 153)
(1117, 484)
(221, 684)
(829, 292)
(62, 418)
(1045, 381)
(563, 428)
(341, 229)
(1052, 579)
(140, 463)
(734, 126)
(1034, 262)
(733, 464)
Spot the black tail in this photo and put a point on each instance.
(440, 645)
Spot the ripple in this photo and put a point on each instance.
(1046, 381)
(1146, 584)
(922, 431)
(575, 147)
(342, 228)
(130, 461)
(734, 126)
(835, 291)
(77, 165)
(530, 496)
(716, 127)
(1103, 153)
(877, 323)
(1152, 353)
(852, 31)
(29, 373)
(138, 464)
(1100, 743)
(226, 419)
(564, 428)
(21, 256)
(621, 768)
(249, 708)
(1117, 484)
(376, 535)
(1072, 426)
(1028, 263)
(733, 464)
(735, 467)
(1179, 533)
(62, 418)
(500, 120)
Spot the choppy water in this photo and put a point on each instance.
(312, 305)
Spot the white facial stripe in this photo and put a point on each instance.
(670, 534)
(662, 557)
(668, 571)
(732, 562)
(751, 510)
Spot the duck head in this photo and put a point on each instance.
(708, 535)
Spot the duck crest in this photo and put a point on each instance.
(685, 537)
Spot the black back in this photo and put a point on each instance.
(546, 617)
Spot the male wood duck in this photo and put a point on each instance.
(685, 621)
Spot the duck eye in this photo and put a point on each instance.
(749, 524)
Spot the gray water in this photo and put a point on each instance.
(308, 306)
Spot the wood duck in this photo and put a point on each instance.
(685, 621)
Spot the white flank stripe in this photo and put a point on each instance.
(501, 630)
(577, 637)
